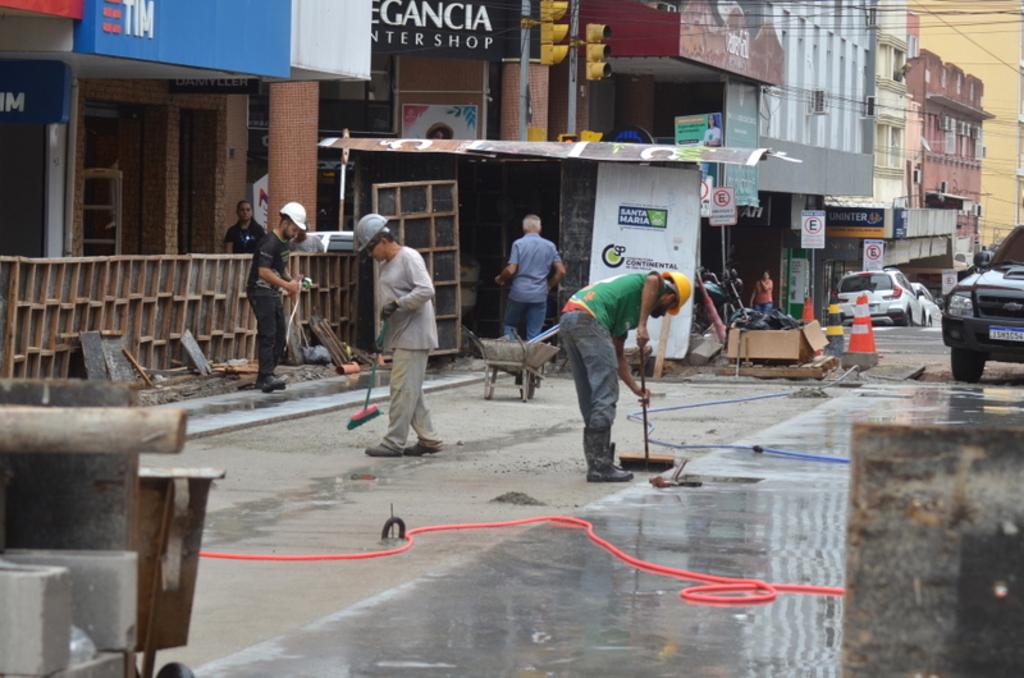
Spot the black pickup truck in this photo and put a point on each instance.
(983, 317)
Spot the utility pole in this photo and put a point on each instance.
(574, 39)
(524, 67)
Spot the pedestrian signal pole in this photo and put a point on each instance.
(524, 66)
(574, 39)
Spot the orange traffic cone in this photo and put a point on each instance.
(808, 309)
(861, 353)
(862, 335)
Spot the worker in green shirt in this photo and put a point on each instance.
(593, 329)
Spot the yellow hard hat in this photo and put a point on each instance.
(682, 289)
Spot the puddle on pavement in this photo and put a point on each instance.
(252, 518)
(250, 401)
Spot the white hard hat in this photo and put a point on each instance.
(368, 228)
(297, 213)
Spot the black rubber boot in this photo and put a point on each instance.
(598, 450)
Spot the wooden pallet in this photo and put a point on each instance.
(816, 369)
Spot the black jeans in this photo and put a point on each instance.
(270, 329)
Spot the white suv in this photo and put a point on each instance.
(891, 298)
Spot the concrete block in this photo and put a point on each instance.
(35, 619)
(103, 665)
(864, 361)
(703, 351)
(104, 591)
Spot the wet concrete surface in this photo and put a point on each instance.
(549, 602)
(217, 414)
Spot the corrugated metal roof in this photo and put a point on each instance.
(554, 150)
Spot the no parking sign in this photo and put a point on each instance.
(874, 253)
(812, 229)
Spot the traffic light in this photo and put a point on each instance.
(568, 138)
(597, 52)
(551, 34)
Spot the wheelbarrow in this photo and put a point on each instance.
(524, 360)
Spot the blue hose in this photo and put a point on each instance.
(755, 448)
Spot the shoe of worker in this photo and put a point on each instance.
(419, 449)
(382, 451)
(270, 384)
(599, 452)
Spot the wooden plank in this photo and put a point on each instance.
(327, 338)
(195, 353)
(92, 352)
(118, 366)
(138, 367)
(812, 370)
(659, 358)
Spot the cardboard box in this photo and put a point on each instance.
(780, 346)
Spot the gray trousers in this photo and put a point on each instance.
(595, 367)
(408, 406)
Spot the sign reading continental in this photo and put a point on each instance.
(642, 217)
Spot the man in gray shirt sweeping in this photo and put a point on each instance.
(408, 292)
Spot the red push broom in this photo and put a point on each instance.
(369, 411)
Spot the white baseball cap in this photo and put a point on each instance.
(297, 213)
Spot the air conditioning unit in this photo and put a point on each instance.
(915, 176)
(975, 132)
(818, 104)
(948, 124)
(943, 187)
(869, 107)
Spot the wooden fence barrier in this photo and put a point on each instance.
(151, 300)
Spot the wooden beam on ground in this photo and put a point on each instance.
(135, 363)
(816, 369)
(195, 354)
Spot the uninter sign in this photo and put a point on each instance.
(34, 92)
(226, 35)
(439, 28)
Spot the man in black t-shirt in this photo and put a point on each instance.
(267, 277)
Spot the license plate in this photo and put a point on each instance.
(1005, 334)
(872, 308)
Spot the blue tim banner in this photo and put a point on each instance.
(37, 92)
(225, 35)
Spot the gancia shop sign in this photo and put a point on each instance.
(442, 28)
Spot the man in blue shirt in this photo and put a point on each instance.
(535, 269)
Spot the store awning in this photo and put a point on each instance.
(555, 150)
(902, 251)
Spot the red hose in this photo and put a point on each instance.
(714, 590)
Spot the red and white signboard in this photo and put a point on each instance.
(723, 206)
(874, 254)
(812, 229)
(948, 281)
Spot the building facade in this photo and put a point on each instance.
(991, 46)
(147, 152)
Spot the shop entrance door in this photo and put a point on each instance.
(424, 215)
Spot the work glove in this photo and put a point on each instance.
(388, 309)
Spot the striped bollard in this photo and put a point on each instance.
(834, 329)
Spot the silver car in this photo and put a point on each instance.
(891, 298)
(932, 310)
